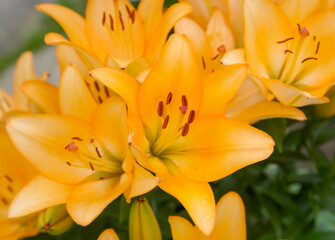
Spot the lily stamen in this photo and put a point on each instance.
(285, 40)
(91, 166)
(160, 109)
(111, 21)
(185, 129)
(309, 58)
(121, 20)
(104, 19)
(191, 117)
(184, 101)
(203, 62)
(169, 98)
(166, 121)
(317, 48)
(288, 51)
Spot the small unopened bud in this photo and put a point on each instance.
(54, 220)
(143, 224)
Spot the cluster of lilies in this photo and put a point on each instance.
(139, 108)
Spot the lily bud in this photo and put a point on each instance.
(327, 109)
(143, 224)
(54, 220)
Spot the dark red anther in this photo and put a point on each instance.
(169, 98)
(160, 109)
(103, 19)
(191, 117)
(166, 121)
(185, 129)
(184, 101)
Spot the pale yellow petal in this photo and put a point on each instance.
(74, 97)
(201, 11)
(151, 12)
(234, 57)
(236, 21)
(298, 10)
(37, 195)
(88, 200)
(43, 94)
(108, 234)
(6, 102)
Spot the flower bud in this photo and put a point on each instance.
(143, 224)
(54, 220)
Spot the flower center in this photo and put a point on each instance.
(171, 132)
(299, 56)
(89, 154)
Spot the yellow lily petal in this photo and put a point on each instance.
(268, 109)
(182, 229)
(67, 55)
(41, 137)
(43, 94)
(142, 182)
(197, 198)
(88, 200)
(176, 72)
(114, 28)
(121, 83)
(221, 146)
(6, 102)
(328, 109)
(201, 11)
(263, 53)
(109, 125)
(234, 57)
(292, 96)
(221, 86)
(72, 23)
(74, 97)
(57, 39)
(24, 70)
(236, 21)
(37, 195)
(230, 218)
(327, 4)
(170, 18)
(199, 42)
(108, 234)
(218, 31)
(151, 12)
(321, 72)
(298, 10)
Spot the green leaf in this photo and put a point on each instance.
(318, 236)
(124, 210)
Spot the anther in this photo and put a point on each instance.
(314, 38)
(77, 138)
(98, 153)
(128, 10)
(106, 91)
(103, 19)
(184, 101)
(285, 40)
(166, 121)
(222, 49)
(91, 140)
(317, 48)
(191, 117)
(185, 129)
(111, 21)
(304, 32)
(4, 201)
(169, 98)
(299, 28)
(91, 166)
(215, 57)
(10, 189)
(132, 17)
(203, 62)
(288, 51)
(140, 200)
(72, 147)
(183, 109)
(97, 86)
(69, 164)
(160, 109)
(9, 179)
(309, 58)
(100, 99)
(121, 20)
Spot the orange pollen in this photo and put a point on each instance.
(72, 147)
(166, 121)
(185, 129)
(91, 166)
(103, 19)
(222, 49)
(77, 138)
(160, 109)
(191, 117)
(285, 40)
(184, 101)
(169, 98)
(304, 32)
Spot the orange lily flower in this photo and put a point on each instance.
(87, 149)
(293, 65)
(182, 128)
(230, 222)
(249, 104)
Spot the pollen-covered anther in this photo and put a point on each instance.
(77, 138)
(91, 166)
(98, 153)
(9, 179)
(111, 22)
(166, 121)
(317, 48)
(191, 117)
(203, 62)
(121, 20)
(185, 129)
(288, 51)
(184, 100)
(304, 32)
(69, 164)
(104, 19)
(169, 98)
(285, 40)
(72, 147)
(309, 58)
(160, 109)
